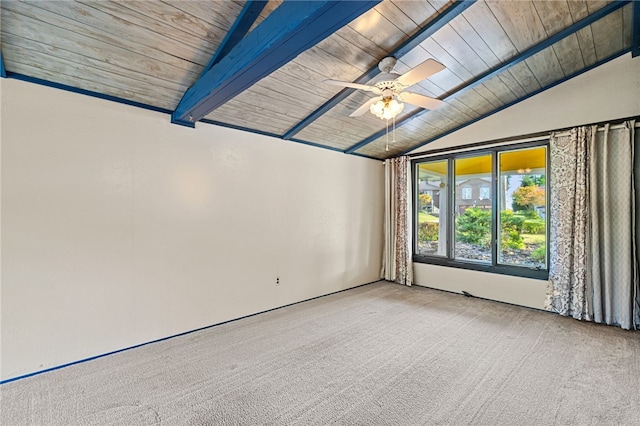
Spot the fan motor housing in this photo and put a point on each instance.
(387, 80)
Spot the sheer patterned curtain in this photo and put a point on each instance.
(396, 258)
(593, 271)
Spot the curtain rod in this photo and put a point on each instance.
(599, 129)
(533, 137)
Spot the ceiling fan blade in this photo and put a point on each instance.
(352, 85)
(365, 107)
(420, 100)
(419, 73)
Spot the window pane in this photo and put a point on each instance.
(473, 208)
(432, 208)
(523, 208)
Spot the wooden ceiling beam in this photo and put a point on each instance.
(288, 31)
(600, 13)
(238, 30)
(635, 36)
(3, 71)
(424, 33)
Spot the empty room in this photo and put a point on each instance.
(397, 212)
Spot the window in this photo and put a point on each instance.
(473, 216)
(432, 208)
(484, 210)
(523, 207)
(466, 193)
(485, 192)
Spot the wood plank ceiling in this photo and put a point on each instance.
(149, 53)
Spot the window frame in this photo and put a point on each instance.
(449, 260)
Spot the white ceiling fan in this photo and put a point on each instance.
(389, 86)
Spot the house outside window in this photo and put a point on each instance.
(484, 210)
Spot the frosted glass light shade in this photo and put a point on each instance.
(386, 109)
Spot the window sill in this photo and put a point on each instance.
(516, 271)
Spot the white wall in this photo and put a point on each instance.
(609, 92)
(504, 288)
(119, 228)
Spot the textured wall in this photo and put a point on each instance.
(119, 228)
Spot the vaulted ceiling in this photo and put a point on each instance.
(260, 65)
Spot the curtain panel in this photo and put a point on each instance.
(612, 273)
(568, 203)
(397, 262)
(593, 271)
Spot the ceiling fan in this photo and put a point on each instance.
(389, 86)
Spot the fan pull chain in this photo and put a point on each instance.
(387, 138)
(393, 140)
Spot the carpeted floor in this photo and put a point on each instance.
(381, 354)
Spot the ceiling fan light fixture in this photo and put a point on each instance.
(387, 108)
(377, 109)
(395, 107)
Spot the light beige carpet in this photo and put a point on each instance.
(381, 354)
